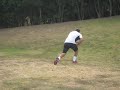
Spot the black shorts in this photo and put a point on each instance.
(70, 45)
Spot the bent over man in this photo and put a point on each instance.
(73, 40)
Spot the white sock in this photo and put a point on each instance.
(74, 58)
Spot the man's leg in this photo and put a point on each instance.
(61, 55)
(59, 58)
(76, 53)
(66, 48)
(75, 48)
(75, 57)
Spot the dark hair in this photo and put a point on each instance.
(78, 30)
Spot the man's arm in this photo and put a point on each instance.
(78, 42)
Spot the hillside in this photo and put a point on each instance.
(101, 40)
(27, 49)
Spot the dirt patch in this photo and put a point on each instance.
(72, 76)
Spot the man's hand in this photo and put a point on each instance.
(78, 42)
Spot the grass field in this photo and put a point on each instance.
(27, 55)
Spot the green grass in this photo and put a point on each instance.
(101, 41)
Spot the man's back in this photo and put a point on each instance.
(72, 36)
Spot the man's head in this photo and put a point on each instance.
(78, 30)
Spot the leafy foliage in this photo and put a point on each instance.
(14, 12)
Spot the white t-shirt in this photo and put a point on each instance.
(72, 36)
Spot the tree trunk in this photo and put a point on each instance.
(97, 8)
(40, 17)
(62, 14)
(60, 10)
(82, 9)
(78, 10)
(110, 7)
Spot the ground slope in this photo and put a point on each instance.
(27, 55)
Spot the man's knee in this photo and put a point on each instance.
(76, 53)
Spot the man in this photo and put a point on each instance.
(72, 41)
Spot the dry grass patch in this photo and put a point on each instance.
(39, 75)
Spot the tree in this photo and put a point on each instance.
(14, 12)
